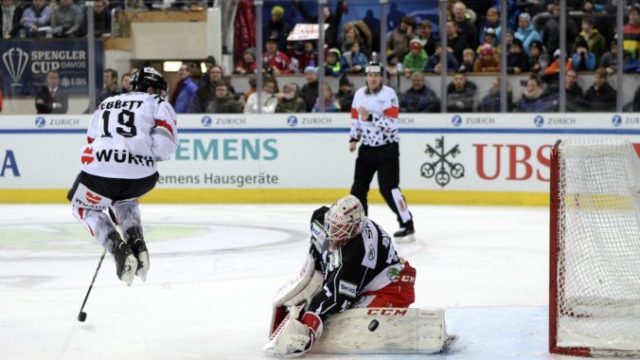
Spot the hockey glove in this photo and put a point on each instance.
(294, 337)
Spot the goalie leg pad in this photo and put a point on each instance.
(385, 330)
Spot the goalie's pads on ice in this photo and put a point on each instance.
(385, 330)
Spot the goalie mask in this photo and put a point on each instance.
(149, 77)
(344, 221)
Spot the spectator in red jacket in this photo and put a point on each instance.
(275, 61)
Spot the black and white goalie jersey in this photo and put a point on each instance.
(366, 263)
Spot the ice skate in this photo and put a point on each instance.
(139, 248)
(405, 234)
(126, 263)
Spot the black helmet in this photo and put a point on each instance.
(148, 77)
(374, 67)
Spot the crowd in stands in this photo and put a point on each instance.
(473, 46)
(61, 19)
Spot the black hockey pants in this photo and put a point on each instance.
(386, 161)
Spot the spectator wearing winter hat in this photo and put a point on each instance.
(582, 58)
(517, 59)
(309, 91)
(416, 60)
(487, 61)
(353, 61)
(248, 63)
(489, 37)
(333, 66)
(538, 57)
(277, 28)
(345, 94)
(526, 33)
(554, 66)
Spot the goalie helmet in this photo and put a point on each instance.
(344, 221)
(149, 77)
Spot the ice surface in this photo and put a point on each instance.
(215, 268)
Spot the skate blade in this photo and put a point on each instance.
(405, 239)
(128, 272)
(143, 265)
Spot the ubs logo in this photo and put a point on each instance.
(206, 121)
(292, 120)
(538, 121)
(40, 122)
(15, 61)
(443, 168)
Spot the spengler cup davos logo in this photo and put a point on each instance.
(15, 60)
(442, 168)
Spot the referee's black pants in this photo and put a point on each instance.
(385, 160)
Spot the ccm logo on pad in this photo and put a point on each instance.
(387, 312)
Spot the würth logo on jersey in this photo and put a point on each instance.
(442, 168)
(124, 156)
(87, 155)
(93, 198)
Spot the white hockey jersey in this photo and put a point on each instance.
(127, 134)
(381, 127)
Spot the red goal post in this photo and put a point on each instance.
(594, 282)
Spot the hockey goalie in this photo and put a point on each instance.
(352, 294)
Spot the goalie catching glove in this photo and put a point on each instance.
(294, 337)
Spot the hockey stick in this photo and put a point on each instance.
(82, 316)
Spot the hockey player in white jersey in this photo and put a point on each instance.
(374, 123)
(127, 135)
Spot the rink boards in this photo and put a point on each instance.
(445, 158)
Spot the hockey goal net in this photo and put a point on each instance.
(594, 298)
